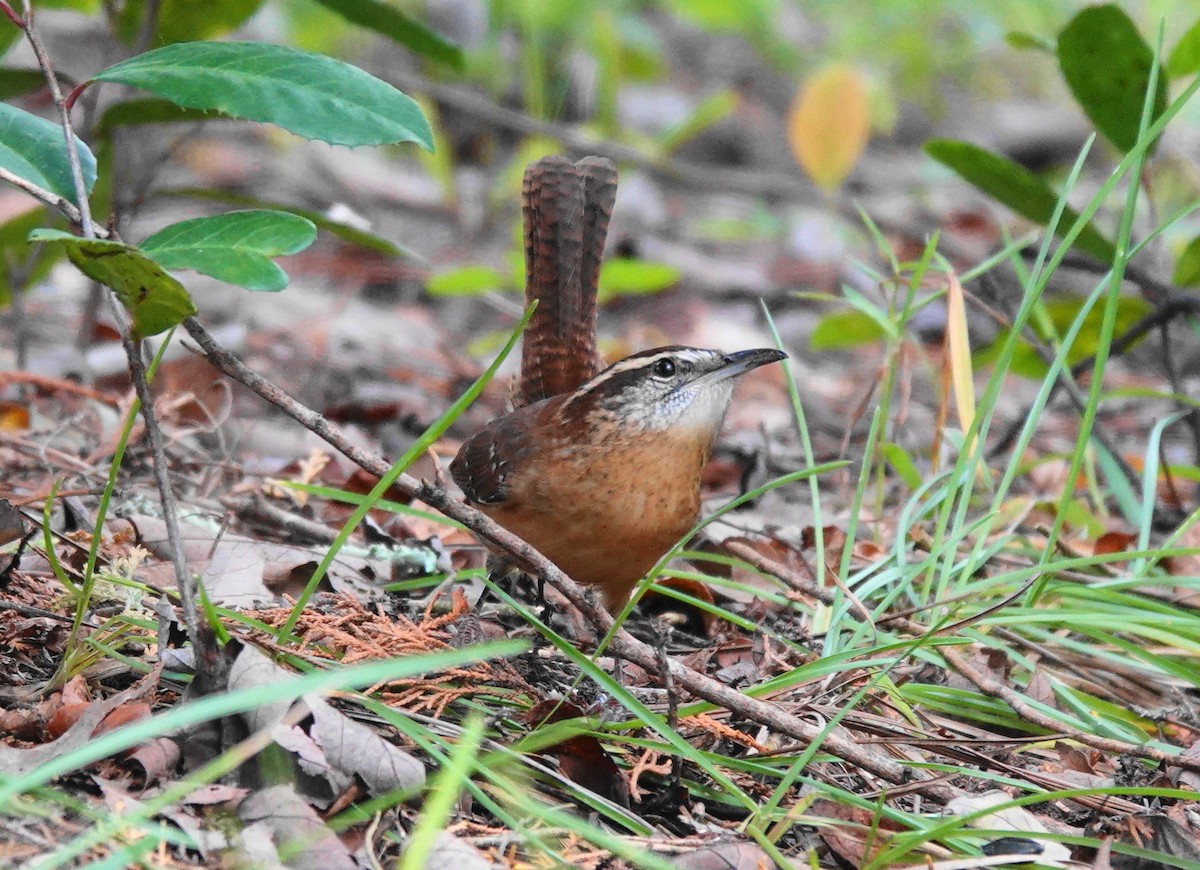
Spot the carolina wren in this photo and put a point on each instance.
(600, 472)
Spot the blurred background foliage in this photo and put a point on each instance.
(760, 84)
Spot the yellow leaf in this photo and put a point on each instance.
(13, 416)
(958, 347)
(829, 124)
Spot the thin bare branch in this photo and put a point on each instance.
(623, 644)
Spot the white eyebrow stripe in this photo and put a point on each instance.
(631, 364)
(644, 362)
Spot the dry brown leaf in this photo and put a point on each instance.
(727, 855)
(694, 620)
(278, 813)
(581, 758)
(124, 715)
(1113, 542)
(14, 416)
(14, 762)
(450, 852)
(850, 841)
(958, 355)
(153, 760)
(330, 745)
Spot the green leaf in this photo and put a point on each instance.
(186, 20)
(899, 459)
(1019, 39)
(1107, 65)
(149, 110)
(1063, 311)
(404, 29)
(1187, 267)
(311, 95)
(26, 266)
(466, 281)
(844, 329)
(1185, 58)
(155, 300)
(1027, 362)
(881, 317)
(34, 149)
(343, 231)
(711, 111)
(1016, 187)
(8, 35)
(236, 247)
(17, 82)
(624, 276)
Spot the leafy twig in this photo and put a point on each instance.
(64, 116)
(81, 215)
(60, 203)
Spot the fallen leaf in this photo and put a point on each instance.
(14, 416)
(296, 828)
(581, 758)
(727, 855)
(449, 851)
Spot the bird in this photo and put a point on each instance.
(599, 470)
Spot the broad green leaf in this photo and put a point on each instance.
(466, 281)
(829, 124)
(87, 7)
(399, 26)
(8, 35)
(1027, 362)
(17, 82)
(311, 95)
(311, 27)
(1185, 58)
(845, 329)
(1063, 311)
(1019, 39)
(866, 306)
(186, 20)
(155, 300)
(1016, 187)
(1187, 267)
(1107, 65)
(34, 149)
(30, 267)
(151, 111)
(623, 276)
(343, 231)
(235, 247)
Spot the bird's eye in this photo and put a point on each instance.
(664, 368)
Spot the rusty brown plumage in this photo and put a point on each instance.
(567, 208)
(599, 470)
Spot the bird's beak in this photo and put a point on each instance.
(742, 361)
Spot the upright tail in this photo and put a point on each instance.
(567, 208)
